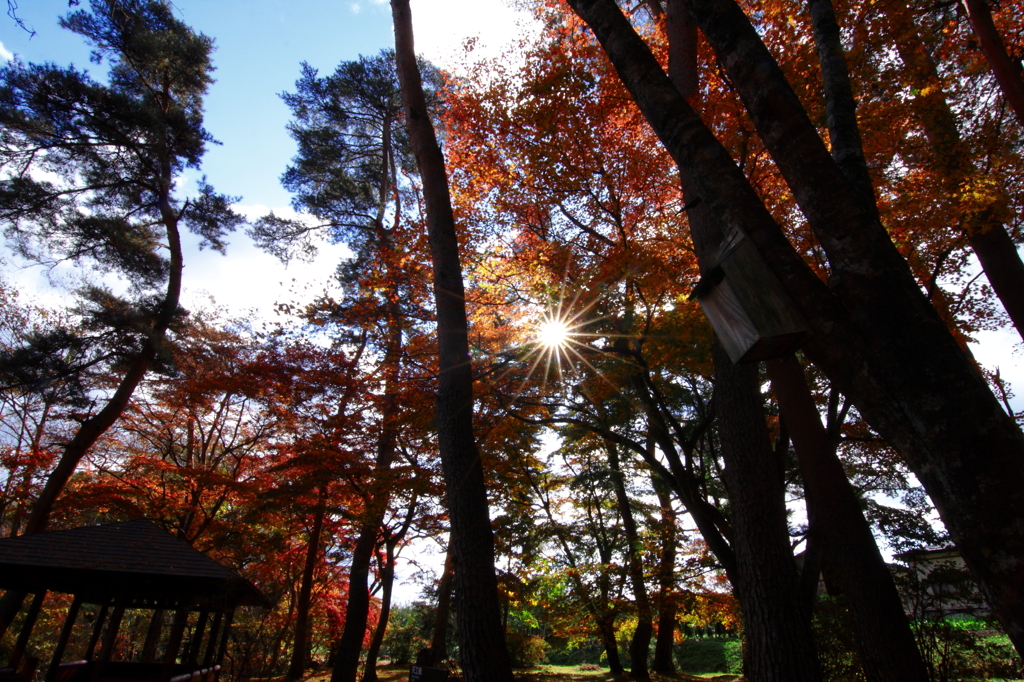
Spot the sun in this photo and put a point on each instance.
(553, 334)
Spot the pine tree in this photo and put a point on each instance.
(89, 177)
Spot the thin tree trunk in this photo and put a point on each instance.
(358, 607)
(777, 627)
(663, 661)
(439, 638)
(482, 639)
(387, 581)
(606, 630)
(640, 644)
(1006, 72)
(875, 335)
(885, 642)
(840, 105)
(300, 651)
(982, 225)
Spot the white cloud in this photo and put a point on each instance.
(250, 283)
(5, 54)
(1002, 350)
(356, 8)
(442, 27)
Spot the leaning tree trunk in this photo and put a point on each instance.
(884, 640)
(91, 429)
(481, 637)
(874, 333)
(1007, 74)
(842, 536)
(981, 221)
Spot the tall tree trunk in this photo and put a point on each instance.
(981, 221)
(481, 637)
(300, 651)
(1007, 74)
(640, 644)
(884, 640)
(875, 335)
(358, 607)
(777, 627)
(840, 105)
(765, 575)
(666, 603)
(841, 536)
(439, 638)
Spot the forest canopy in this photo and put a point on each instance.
(661, 328)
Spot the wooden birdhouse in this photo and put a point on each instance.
(752, 315)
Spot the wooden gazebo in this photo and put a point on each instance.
(119, 566)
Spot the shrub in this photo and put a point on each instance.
(837, 648)
(526, 651)
(589, 651)
(710, 655)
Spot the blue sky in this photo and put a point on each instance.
(260, 45)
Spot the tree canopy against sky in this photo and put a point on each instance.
(585, 221)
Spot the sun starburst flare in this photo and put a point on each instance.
(553, 333)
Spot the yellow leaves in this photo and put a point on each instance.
(983, 201)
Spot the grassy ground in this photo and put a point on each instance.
(547, 673)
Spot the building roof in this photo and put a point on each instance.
(134, 559)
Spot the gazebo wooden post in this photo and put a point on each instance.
(65, 635)
(174, 643)
(97, 628)
(222, 649)
(109, 637)
(26, 629)
(156, 624)
(197, 637)
(211, 644)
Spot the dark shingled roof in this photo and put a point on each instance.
(136, 559)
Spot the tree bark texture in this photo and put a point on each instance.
(481, 637)
(874, 333)
(300, 651)
(840, 105)
(776, 625)
(885, 642)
